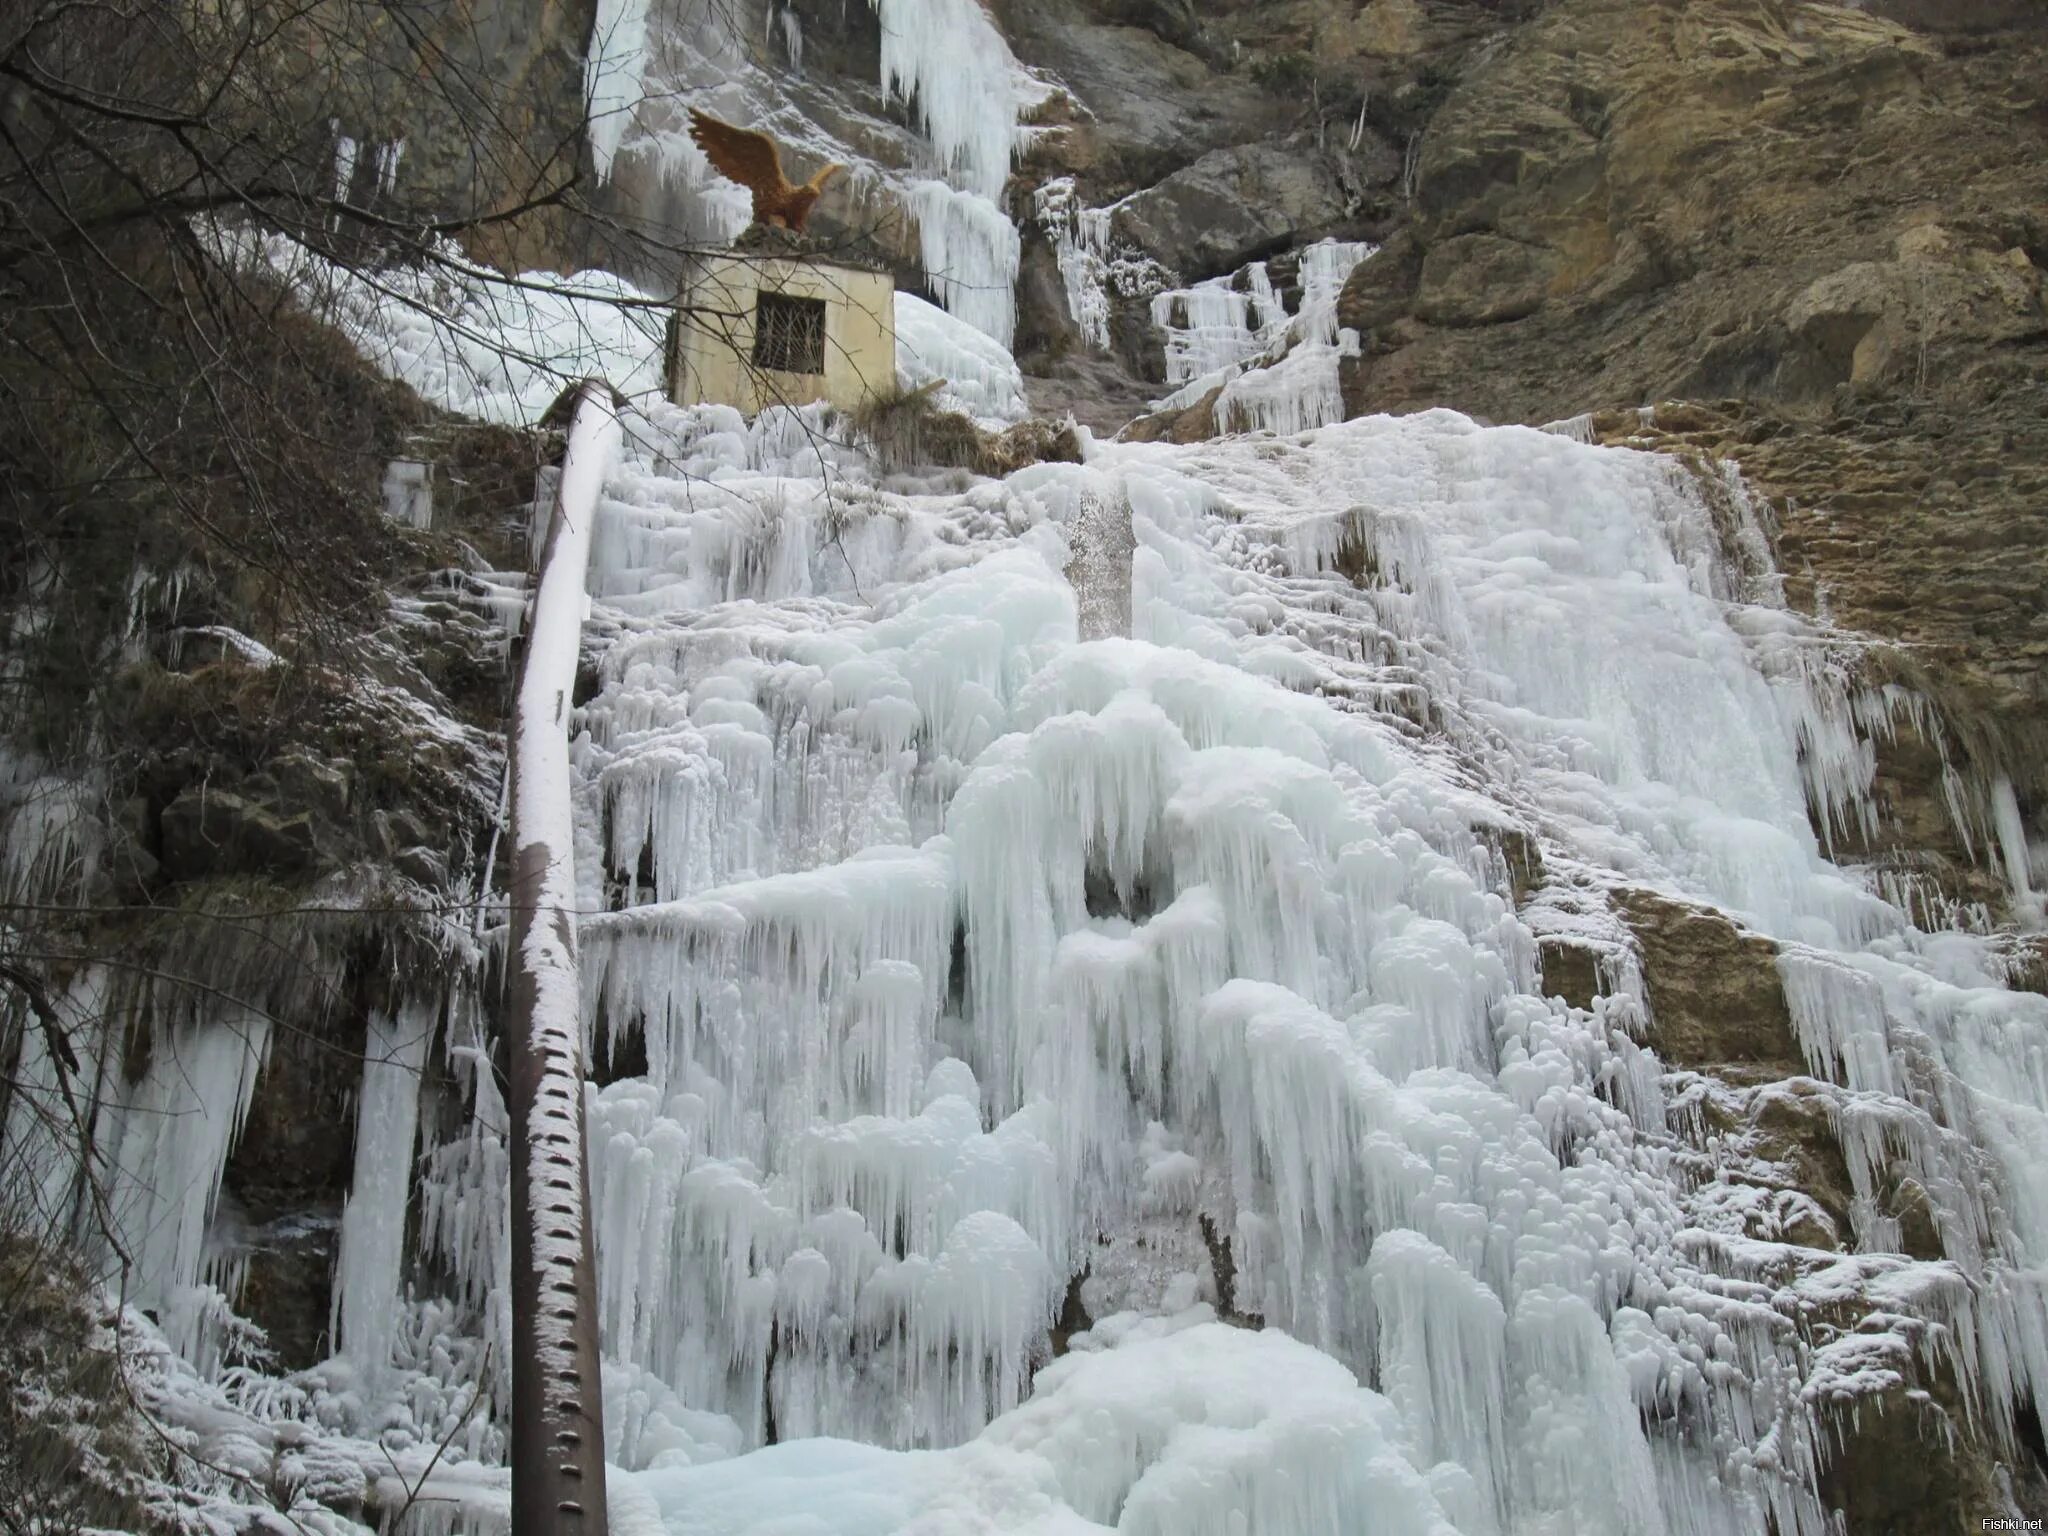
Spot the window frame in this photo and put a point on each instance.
(781, 321)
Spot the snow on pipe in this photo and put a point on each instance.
(557, 1442)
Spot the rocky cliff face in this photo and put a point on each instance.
(1622, 204)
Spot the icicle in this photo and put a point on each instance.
(1577, 1398)
(1443, 1359)
(946, 58)
(2014, 851)
(1091, 266)
(971, 251)
(612, 76)
(371, 1259)
(345, 149)
(176, 1127)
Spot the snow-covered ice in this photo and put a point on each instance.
(982, 379)
(943, 954)
(1277, 371)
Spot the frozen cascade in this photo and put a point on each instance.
(613, 69)
(368, 1267)
(175, 1129)
(1092, 262)
(963, 952)
(2014, 852)
(948, 61)
(1277, 372)
(1215, 325)
(955, 942)
(1080, 237)
(953, 68)
(161, 1140)
(970, 251)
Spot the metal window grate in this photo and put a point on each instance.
(789, 334)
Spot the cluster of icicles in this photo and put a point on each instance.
(992, 955)
(975, 958)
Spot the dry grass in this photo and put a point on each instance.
(908, 429)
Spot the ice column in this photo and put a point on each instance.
(612, 71)
(366, 1273)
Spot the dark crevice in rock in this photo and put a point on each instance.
(1223, 1269)
(1073, 1316)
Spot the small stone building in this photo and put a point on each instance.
(760, 327)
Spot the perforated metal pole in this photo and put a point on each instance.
(557, 1443)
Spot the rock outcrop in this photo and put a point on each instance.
(1630, 203)
(1914, 526)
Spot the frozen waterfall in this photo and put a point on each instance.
(977, 966)
(1073, 1055)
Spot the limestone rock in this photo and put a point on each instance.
(1730, 196)
(1875, 321)
(1715, 996)
(1192, 424)
(1234, 205)
(1156, 77)
(317, 783)
(1480, 279)
(1381, 292)
(1570, 971)
(288, 1179)
(429, 866)
(1888, 1479)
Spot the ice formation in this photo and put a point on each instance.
(947, 60)
(970, 250)
(370, 1265)
(146, 1208)
(613, 67)
(961, 951)
(1215, 326)
(980, 377)
(408, 489)
(472, 340)
(1277, 372)
(1092, 262)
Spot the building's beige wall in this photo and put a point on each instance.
(713, 344)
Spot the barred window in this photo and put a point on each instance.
(789, 334)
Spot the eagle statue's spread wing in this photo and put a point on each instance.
(749, 158)
(752, 160)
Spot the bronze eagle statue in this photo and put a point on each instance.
(752, 160)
